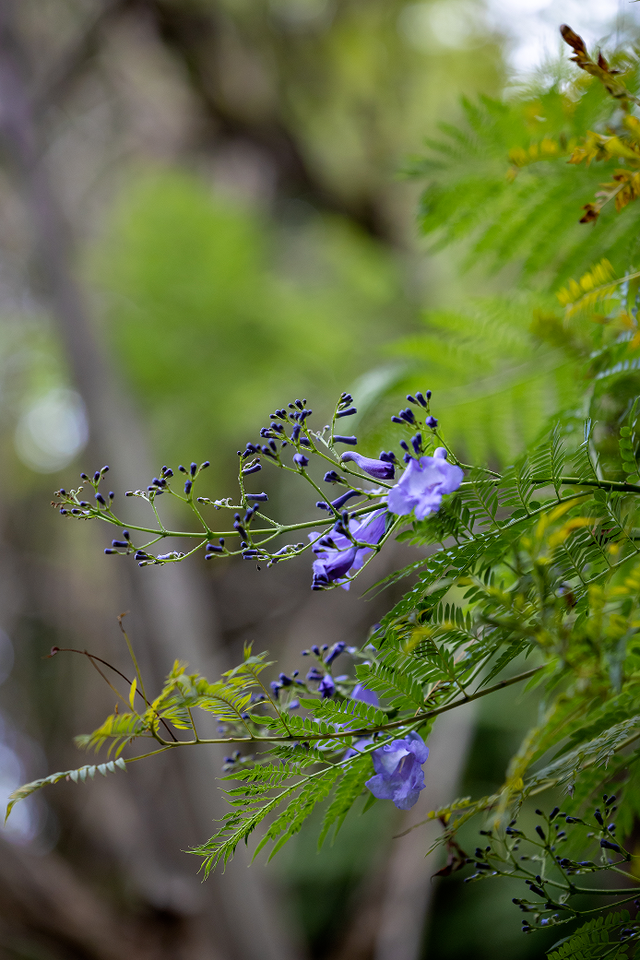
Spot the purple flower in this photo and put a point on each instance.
(327, 687)
(361, 693)
(358, 747)
(399, 776)
(380, 469)
(423, 484)
(300, 460)
(337, 555)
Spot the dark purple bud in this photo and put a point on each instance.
(126, 535)
(182, 469)
(285, 680)
(193, 469)
(295, 433)
(121, 544)
(187, 486)
(315, 649)
(346, 413)
(332, 477)
(608, 845)
(111, 495)
(250, 554)
(598, 817)
(540, 833)
(300, 460)
(431, 422)
(105, 469)
(396, 420)
(416, 443)
(554, 813)
(109, 550)
(62, 492)
(322, 505)
(206, 464)
(352, 441)
(389, 457)
(84, 477)
(96, 476)
(340, 501)
(101, 499)
(262, 497)
(253, 469)
(407, 415)
(404, 445)
(334, 652)
(327, 687)
(421, 400)
(63, 511)
(221, 541)
(212, 548)
(315, 674)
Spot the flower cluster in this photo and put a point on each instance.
(359, 520)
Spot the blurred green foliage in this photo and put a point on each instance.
(214, 311)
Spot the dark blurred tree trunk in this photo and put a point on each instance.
(177, 618)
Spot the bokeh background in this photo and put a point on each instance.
(206, 212)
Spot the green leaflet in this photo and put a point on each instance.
(81, 773)
(347, 792)
(593, 940)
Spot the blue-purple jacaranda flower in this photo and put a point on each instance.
(361, 693)
(326, 687)
(380, 469)
(423, 484)
(399, 775)
(338, 556)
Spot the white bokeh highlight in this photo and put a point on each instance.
(52, 431)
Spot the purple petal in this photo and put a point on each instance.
(361, 693)
(380, 469)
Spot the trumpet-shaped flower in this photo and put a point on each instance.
(338, 555)
(380, 469)
(399, 775)
(423, 484)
